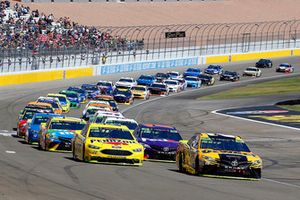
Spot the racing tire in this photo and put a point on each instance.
(73, 153)
(83, 154)
(256, 173)
(197, 168)
(180, 164)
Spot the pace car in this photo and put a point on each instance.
(159, 89)
(160, 141)
(107, 144)
(218, 155)
(64, 102)
(56, 134)
(213, 69)
(193, 81)
(125, 97)
(140, 92)
(229, 76)
(285, 67)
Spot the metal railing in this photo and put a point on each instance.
(149, 43)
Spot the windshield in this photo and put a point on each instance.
(161, 75)
(66, 125)
(126, 80)
(173, 74)
(229, 73)
(107, 84)
(29, 115)
(90, 87)
(110, 133)
(158, 85)
(72, 95)
(193, 70)
(191, 79)
(204, 76)
(76, 90)
(251, 69)
(90, 112)
(156, 133)
(223, 143)
(139, 88)
(171, 82)
(131, 125)
(126, 93)
(40, 119)
(146, 77)
(61, 99)
(283, 65)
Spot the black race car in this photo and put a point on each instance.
(229, 76)
(159, 89)
(206, 79)
(161, 76)
(264, 63)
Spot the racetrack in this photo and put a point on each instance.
(28, 173)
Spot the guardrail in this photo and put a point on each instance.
(146, 43)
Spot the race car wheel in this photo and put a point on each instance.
(181, 168)
(256, 173)
(197, 168)
(83, 154)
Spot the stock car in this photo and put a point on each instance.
(140, 92)
(229, 76)
(173, 85)
(54, 103)
(126, 82)
(22, 122)
(42, 107)
(90, 111)
(91, 89)
(206, 79)
(131, 124)
(73, 97)
(252, 71)
(218, 155)
(107, 144)
(182, 83)
(56, 134)
(109, 99)
(145, 80)
(264, 63)
(193, 81)
(82, 93)
(106, 87)
(173, 74)
(100, 116)
(161, 76)
(159, 89)
(192, 72)
(123, 96)
(34, 126)
(213, 69)
(160, 141)
(285, 67)
(64, 102)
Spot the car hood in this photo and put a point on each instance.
(113, 143)
(160, 143)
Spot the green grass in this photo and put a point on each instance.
(293, 107)
(284, 86)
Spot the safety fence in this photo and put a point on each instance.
(146, 43)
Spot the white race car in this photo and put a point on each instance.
(126, 82)
(174, 85)
(252, 71)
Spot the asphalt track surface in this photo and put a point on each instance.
(28, 173)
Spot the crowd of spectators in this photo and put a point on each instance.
(23, 28)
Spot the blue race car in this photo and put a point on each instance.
(192, 72)
(34, 126)
(160, 141)
(91, 89)
(82, 93)
(106, 87)
(193, 81)
(214, 69)
(123, 96)
(145, 80)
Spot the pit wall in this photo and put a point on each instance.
(52, 75)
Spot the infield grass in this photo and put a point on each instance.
(284, 86)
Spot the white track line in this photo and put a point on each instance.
(282, 183)
(252, 120)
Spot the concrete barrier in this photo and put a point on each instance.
(217, 59)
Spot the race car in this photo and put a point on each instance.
(229, 76)
(57, 133)
(182, 83)
(206, 79)
(159, 89)
(64, 102)
(252, 71)
(106, 87)
(42, 107)
(213, 69)
(107, 144)
(145, 80)
(22, 122)
(219, 155)
(192, 72)
(73, 97)
(264, 63)
(193, 81)
(100, 116)
(174, 74)
(109, 99)
(82, 93)
(131, 124)
(90, 111)
(173, 85)
(126, 81)
(54, 103)
(161, 76)
(101, 105)
(124, 97)
(34, 126)
(285, 67)
(140, 92)
(160, 141)
(91, 89)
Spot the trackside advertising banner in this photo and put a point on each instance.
(138, 66)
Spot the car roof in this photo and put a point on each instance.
(161, 126)
(120, 119)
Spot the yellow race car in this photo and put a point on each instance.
(218, 155)
(107, 144)
(63, 100)
(140, 92)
